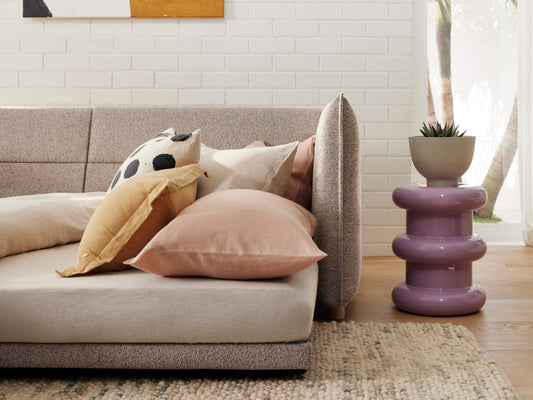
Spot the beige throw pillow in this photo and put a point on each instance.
(44, 220)
(261, 168)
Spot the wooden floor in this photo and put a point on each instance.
(504, 327)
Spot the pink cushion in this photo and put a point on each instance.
(300, 187)
(258, 143)
(234, 234)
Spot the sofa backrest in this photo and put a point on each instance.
(116, 132)
(43, 150)
(80, 149)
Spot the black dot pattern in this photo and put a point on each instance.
(115, 179)
(131, 169)
(181, 137)
(163, 161)
(154, 155)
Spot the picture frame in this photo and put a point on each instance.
(122, 8)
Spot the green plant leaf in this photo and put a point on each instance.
(437, 130)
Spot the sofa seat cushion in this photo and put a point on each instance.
(37, 305)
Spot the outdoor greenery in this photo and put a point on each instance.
(493, 219)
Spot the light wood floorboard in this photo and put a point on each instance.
(504, 327)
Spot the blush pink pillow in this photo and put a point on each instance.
(301, 180)
(258, 143)
(234, 234)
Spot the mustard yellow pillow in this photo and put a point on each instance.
(131, 215)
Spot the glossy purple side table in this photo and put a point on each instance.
(439, 248)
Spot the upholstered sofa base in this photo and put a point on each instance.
(238, 356)
(44, 150)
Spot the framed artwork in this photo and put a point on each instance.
(122, 8)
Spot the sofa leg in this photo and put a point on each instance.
(336, 313)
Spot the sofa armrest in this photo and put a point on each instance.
(337, 205)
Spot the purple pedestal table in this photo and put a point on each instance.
(439, 248)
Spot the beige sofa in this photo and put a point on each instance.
(132, 319)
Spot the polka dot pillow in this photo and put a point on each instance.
(166, 150)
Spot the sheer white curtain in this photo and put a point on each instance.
(525, 117)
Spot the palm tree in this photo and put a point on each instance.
(503, 158)
(506, 150)
(444, 28)
(500, 165)
(432, 116)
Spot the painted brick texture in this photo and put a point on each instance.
(264, 53)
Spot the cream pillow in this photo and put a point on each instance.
(234, 234)
(260, 168)
(131, 215)
(166, 150)
(300, 188)
(44, 220)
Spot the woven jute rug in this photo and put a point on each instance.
(350, 361)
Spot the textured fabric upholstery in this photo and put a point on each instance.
(21, 178)
(115, 131)
(65, 157)
(249, 356)
(44, 134)
(222, 128)
(43, 150)
(99, 176)
(337, 203)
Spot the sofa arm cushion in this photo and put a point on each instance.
(337, 203)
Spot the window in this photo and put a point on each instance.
(481, 63)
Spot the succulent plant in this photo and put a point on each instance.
(437, 130)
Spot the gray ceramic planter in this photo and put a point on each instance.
(442, 160)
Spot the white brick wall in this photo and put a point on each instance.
(264, 52)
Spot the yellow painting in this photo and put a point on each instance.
(177, 8)
(122, 8)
